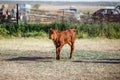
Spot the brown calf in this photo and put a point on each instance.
(62, 38)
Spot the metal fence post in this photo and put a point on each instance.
(17, 16)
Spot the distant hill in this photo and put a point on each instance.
(100, 3)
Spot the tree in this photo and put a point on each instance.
(36, 6)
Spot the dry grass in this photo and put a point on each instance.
(58, 70)
(81, 8)
(52, 13)
(25, 44)
(109, 45)
(34, 59)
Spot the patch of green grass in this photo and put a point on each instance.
(13, 53)
(91, 55)
(78, 54)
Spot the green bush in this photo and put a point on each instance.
(106, 30)
(3, 32)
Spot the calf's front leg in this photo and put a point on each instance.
(58, 49)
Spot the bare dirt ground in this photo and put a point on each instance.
(34, 59)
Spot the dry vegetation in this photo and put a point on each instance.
(82, 8)
(34, 59)
(105, 45)
(52, 13)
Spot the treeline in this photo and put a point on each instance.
(104, 30)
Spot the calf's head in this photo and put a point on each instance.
(53, 34)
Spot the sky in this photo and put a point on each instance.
(63, 0)
(82, 0)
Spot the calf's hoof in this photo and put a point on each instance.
(57, 58)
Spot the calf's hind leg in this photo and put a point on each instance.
(72, 49)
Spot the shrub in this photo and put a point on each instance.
(107, 30)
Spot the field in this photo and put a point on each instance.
(82, 8)
(52, 13)
(26, 58)
(34, 59)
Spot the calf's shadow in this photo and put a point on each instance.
(105, 61)
(42, 59)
